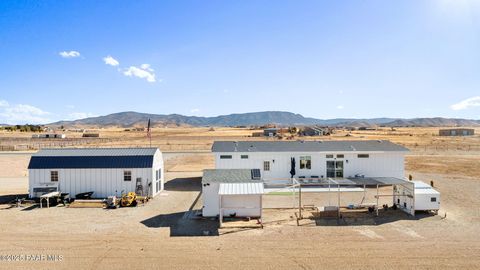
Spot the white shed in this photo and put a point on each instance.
(105, 171)
(232, 192)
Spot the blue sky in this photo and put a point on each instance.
(323, 59)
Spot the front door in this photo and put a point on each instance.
(335, 168)
(267, 167)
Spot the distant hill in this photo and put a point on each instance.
(136, 119)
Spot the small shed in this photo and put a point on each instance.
(232, 192)
(105, 171)
(457, 132)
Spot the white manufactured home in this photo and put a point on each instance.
(105, 171)
(313, 159)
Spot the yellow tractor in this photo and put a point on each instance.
(129, 199)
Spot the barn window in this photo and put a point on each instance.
(266, 165)
(306, 162)
(363, 155)
(244, 156)
(127, 176)
(54, 176)
(329, 156)
(433, 199)
(226, 157)
(340, 156)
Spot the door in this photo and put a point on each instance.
(335, 168)
(267, 167)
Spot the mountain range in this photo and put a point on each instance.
(136, 119)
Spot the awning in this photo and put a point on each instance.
(240, 189)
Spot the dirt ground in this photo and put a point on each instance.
(166, 234)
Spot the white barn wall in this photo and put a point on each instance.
(379, 164)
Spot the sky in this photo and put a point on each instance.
(64, 60)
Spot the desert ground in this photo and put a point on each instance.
(165, 234)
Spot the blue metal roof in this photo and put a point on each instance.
(100, 158)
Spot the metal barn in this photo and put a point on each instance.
(105, 171)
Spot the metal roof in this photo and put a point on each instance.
(307, 146)
(229, 176)
(424, 188)
(381, 181)
(89, 152)
(240, 189)
(93, 158)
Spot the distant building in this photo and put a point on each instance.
(270, 132)
(49, 136)
(314, 131)
(457, 132)
(90, 135)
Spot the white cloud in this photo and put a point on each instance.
(4, 103)
(22, 114)
(467, 103)
(340, 107)
(80, 115)
(111, 61)
(195, 110)
(70, 54)
(144, 72)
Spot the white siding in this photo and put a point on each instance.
(211, 203)
(210, 200)
(104, 182)
(242, 205)
(379, 164)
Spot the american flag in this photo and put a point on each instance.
(149, 133)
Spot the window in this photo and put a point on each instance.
(225, 156)
(266, 165)
(244, 156)
(306, 162)
(54, 176)
(158, 174)
(363, 155)
(433, 199)
(329, 156)
(340, 156)
(127, 176)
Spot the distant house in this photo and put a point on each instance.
(314, 131)
(49, 136)
(457, 132)
(270, 132)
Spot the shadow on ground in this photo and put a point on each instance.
(11, 198)
(361, 219)
(184, 184)
(184, 224)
